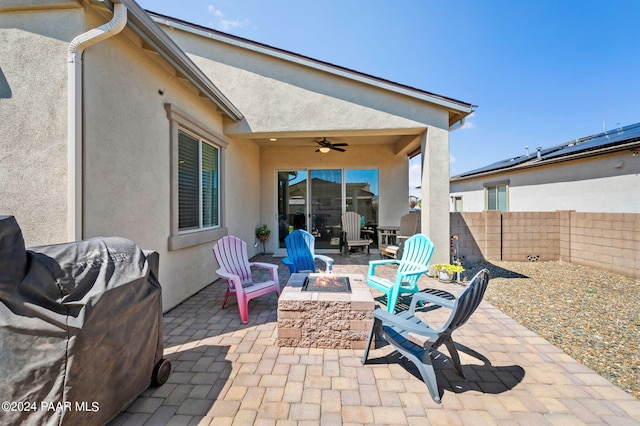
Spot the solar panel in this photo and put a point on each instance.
(510, 162)
(601, 140)
(498, 165)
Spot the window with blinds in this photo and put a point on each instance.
(209, 186)
(198, 183)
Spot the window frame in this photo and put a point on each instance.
(491, 185)
(180, 121)
(454, 201)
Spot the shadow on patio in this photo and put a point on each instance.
(225, 372)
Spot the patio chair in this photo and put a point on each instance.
(300, 250)
(414, 262)
(231, 254)
(352, 232)
(408, 227)
(400, 330)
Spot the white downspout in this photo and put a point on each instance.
(75, 116)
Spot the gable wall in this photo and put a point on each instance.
(278, 95)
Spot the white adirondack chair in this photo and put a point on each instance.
(352, 232)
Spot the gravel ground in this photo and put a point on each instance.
(593, 315)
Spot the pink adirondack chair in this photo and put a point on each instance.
(231, 254)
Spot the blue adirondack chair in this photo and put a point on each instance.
(395, 329)
(414, 262)
(300, 250)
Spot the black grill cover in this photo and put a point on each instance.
(80, 328)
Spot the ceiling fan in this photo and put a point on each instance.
(326, 146)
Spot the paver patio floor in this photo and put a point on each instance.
(227, 373)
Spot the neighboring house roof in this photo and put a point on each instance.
(461, 109)
(627, 137)
(154, 38)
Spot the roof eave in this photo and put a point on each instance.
(145, 28)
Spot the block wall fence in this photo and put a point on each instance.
(606, 241)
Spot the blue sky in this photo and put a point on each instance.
(541, 72)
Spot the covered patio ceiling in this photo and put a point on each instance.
(405, 142)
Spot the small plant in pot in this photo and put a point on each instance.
(263, 232)
(446, 271)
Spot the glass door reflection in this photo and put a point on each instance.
(314, 200)
(325, 195)
(292, 202)
(361, 196)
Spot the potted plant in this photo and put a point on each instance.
(263, 232)
(446, 271)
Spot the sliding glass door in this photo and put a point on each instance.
(292, 202)
(362, 194)
(325, 199)
(314, 200)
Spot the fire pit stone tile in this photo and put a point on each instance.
(334, 297)
(325, 320)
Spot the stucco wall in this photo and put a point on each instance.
(126, 148)
(127, 136)
(295, 98)
(33, 120)
(435, 197)
(243, 191)
(127, 162)
(606, 183)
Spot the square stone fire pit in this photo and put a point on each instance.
(325, 319)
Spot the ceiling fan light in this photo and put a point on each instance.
(324, 149)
